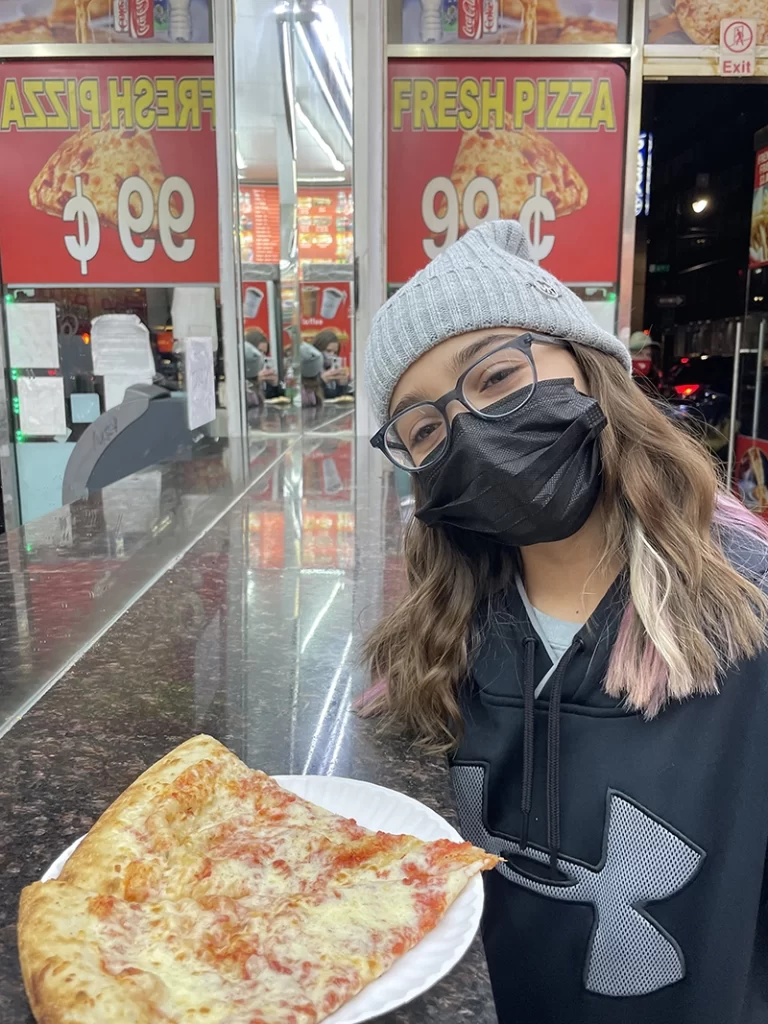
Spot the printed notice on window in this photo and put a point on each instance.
(201, 392)
(32, 339)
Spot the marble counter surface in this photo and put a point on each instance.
(253, 637)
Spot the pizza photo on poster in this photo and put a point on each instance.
(511, 22)
(105, 21)
(109, 173)
(697, 22)
(541, 142)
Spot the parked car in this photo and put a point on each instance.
(698, 392)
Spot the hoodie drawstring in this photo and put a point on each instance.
(529, 685)
(553, 747)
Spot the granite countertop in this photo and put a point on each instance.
(252, 636)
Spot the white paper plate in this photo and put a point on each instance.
(387, 811)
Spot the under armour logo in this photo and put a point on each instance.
(643, 861)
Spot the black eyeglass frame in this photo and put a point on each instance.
(522, 343)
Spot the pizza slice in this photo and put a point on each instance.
(103, 158)
(700, 19)
(513, 159)
(207, 893)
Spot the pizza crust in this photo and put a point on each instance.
(60, 961)
(700, 19)
(99, 863)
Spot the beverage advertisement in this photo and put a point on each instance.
(697, 22)
(510, 22)
(110, 173)
(758, 232)
(538, 142)
(105, 21)
(327, 305)
(255, 306)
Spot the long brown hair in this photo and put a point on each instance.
(691, 613)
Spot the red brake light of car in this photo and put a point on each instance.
(686, 390)
(685, 360)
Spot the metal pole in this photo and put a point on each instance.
(734, 404)
(369, 75)
(758, 379)
(628, 223)
(229, 219)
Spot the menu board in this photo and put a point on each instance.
(697, 22)
(324, 221)
(109, 173)
(565, 22)
(105, 21)
(538, 142)
(325, 225)
(259, 224)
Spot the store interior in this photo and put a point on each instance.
(293, 116)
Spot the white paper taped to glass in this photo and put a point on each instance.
(120, 345)
(41, 406)
(198, 374)
(33, 343)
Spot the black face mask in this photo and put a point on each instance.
(531, 478)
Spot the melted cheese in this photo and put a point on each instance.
(239, 903)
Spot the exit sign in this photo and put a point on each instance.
(658, 268)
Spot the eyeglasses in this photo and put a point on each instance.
(419, 436)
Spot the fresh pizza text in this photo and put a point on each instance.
(547, 104)
(162, 103)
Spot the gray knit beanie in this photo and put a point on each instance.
(311, 360)
(485, 279)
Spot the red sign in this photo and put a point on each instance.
(109, 173)
(325, 305)
(539, 142)
(758, 235)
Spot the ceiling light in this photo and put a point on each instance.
(699, 205)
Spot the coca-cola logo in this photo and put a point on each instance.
(471, 12)
(143, 14)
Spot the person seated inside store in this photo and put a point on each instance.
(335, 377)
(312, 392)
(265, 383)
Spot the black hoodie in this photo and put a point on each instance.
(655, 911)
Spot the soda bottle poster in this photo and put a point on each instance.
(539, 142)
(109, 172)
(105, 21)
(511, 22)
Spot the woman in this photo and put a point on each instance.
(335, 378)
(585, 632)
